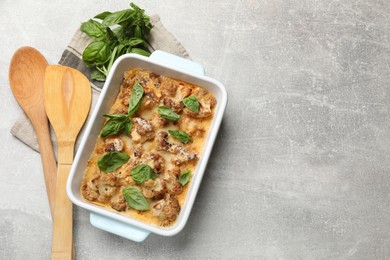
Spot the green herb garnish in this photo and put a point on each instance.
(143, 173)
(192, 103)
(122, 122)
(116, 124)
(135, 199)
(112, 161)
(180, 135)
(135, 99)
(185, 177)
(167, 113)
(114, 34)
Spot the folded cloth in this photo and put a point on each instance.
(160, 39)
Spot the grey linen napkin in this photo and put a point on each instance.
(160, 39)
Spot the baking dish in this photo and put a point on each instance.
(164, 64)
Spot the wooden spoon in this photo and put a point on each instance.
(26, 76)
(67, 99)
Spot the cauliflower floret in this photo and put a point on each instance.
(168, 89)
(207, 102)
(175, 170)
(89, 189)
(106, 185)
(162, 143)
(153, 188)
(172, 184)
(123, 174)
(166, 209)
(124, 97)
(174, 100)
(119, 203)
(191, 126)
(113, 145)
(101, 187)
(105, 192)
(158, 121)
(181, 154)
(183, 91)
(107, 179)
(151, 99)
(154, 160)
(142, 126)
(138, 150)
(176, 105)
(142, 130)
(118, 145)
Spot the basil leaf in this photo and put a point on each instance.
(119, 33)
(167, 113)
(111, 38)
(118, 17)
(121, 48)
(112, 161)
(153, 175)
(96, 53)
(132, 42)
(192, 103)
(93, 29)
(128, 127)
(116, 124)
(112, 127)
(138, 32)
(135, 99)
(181, 136)
(142, 172)
(103, 15)
(140, 52)
(185, 177)
(134, 198)
(97, 75)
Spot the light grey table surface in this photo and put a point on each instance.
(300, 169)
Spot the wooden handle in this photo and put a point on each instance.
(48, 162)
(63, 223)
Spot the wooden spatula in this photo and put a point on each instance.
(67, 98)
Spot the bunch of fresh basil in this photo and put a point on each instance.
(115, 34)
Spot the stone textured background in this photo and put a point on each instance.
(300, 169)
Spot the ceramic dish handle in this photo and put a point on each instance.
(118, 228)
(123, 229)
(177, 61)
